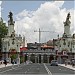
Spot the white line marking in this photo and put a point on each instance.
(10, 69)
(49, 73)
(25, 72)
(17, 69)
(5, 71)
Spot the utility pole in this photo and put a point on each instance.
(58, 43)
(40, 33)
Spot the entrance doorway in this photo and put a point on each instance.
(39, 58)
(44, 58)
(32, 58)
(51, 58)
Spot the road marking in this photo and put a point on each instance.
(17, 69)
(5, 71)
(12, 69)
(25, 72)
(49, 73)
(9, 69)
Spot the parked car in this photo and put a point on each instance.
(28, 62)
(54, 63)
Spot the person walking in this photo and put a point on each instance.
(13, 64)
(73, 63)
(65, 62)
(5, 62)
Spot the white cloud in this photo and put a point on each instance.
(48, 17)
(0, 2)
(58, 3)
(74, 21)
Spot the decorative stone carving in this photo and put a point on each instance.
(10, 18)
(67, 22)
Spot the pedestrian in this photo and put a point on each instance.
(13, 64)
(73, 62)
(5, 62)
(65, 62)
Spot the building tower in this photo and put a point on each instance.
(67, 26)
(10, 24)
(24, 42)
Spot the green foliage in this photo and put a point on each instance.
(14, 56)
(3, 31)
(21, 59)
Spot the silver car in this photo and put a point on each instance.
(54, 63)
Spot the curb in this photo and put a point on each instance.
(72, 68)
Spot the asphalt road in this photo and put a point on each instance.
(36, 69)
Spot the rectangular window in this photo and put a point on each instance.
(73, 46)
(68, 45)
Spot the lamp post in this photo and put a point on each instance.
(59, 49)
(54, 49)
(71, 47)
(23, 57)
(5, 53)
(71, 51)
(53, 44)
(58, 42)
(27, 57)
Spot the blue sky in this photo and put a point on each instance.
(32, 15)
(18, 6)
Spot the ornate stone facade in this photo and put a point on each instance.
(11, 43)
(66, 44)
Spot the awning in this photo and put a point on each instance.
(23, 48)
(47, 47)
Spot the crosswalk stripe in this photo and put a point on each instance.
(49, 73)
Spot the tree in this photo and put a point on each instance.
(13, 56)
(3, 31)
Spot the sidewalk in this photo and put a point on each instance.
(68, 66)
(3, 65)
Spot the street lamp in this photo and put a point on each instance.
(58, 42)
(53, 43)
(4, 53)
(71, 47)
(71, 50)
(27, 57)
